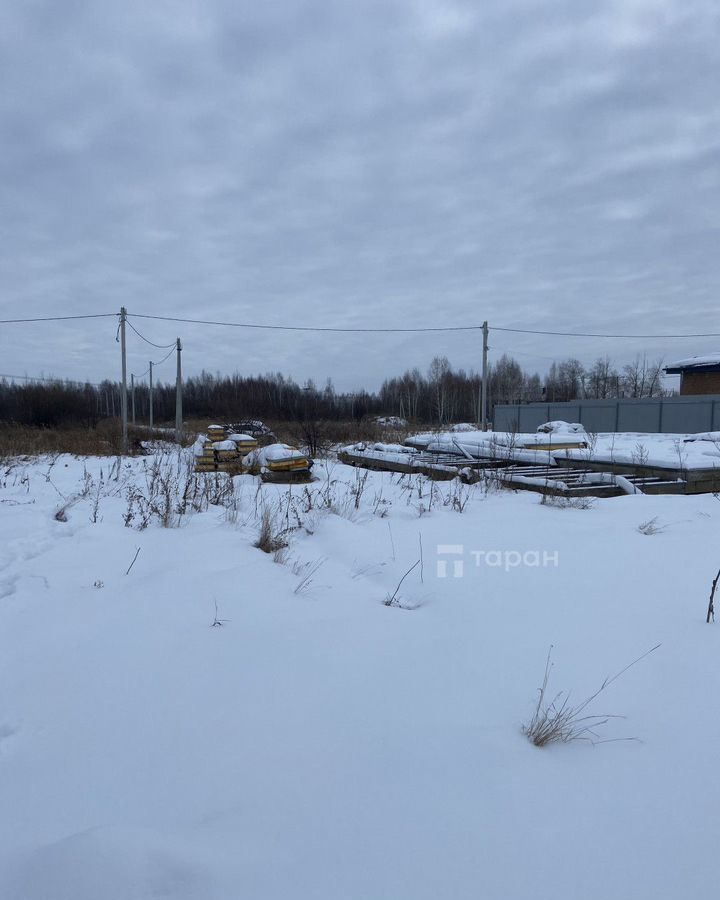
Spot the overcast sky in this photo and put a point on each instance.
(540, 164)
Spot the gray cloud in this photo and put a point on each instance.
(539, 165)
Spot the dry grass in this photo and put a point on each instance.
(270, 537)
(104, 440)
(650, 527)
(558, 721)
(324, 435)
(563, 501)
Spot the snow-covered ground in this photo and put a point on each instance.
(321, 744)
(673, 451)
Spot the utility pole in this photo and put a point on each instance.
(484, 409)
(123, 396)
(178, 395)
(151, 395)
(132, 396)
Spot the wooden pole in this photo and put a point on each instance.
(484, 400)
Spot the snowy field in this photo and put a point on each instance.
(319, 744)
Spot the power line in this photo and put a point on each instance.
(166, 357)
(302, 327)
(424, 329)
(156, 364)
(148, 341)
(58, 318)
(350, 330)
(597, 335)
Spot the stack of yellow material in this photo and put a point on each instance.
(278, 458)
(294, 464)
(209, 459)
(206, 462)
(225, 450)
(285, 464)
(243, 442)
(221, 452)
(204, 456)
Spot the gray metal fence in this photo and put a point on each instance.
(671, 415)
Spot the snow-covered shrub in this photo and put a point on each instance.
(271, 537)
(306, 572)
(650, 527)
(281, 556)
(458, 496)
(396, 599)
(343, 504)
(681, 453)
(86, 486)
(172, 490)
(232, 510)
(562, 501)
(358, 489)
(640, 454)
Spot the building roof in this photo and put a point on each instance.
(708, 363)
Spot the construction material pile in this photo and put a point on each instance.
(221, 450)
(278, 462)
(224, 450)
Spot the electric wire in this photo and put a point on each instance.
(57, 318)
(148, 341)
(434, 328)
(303, 327)
(647, 337)
(361, 330)
(156, 364)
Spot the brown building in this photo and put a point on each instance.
(698, 374)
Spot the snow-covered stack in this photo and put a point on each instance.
(243, 442)
(277, 459)
(220, 451)
(560, 427)
(226, 450)
(205, 457)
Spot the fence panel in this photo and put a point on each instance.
(530, 417)
(642, 415)
(600, 417)
(671, 415)
(679, 418)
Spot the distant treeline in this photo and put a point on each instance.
(445, 395)
(441, 395)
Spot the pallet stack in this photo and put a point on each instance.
(222, 452)
(244, 443)
(280, 463)
(224, 449)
